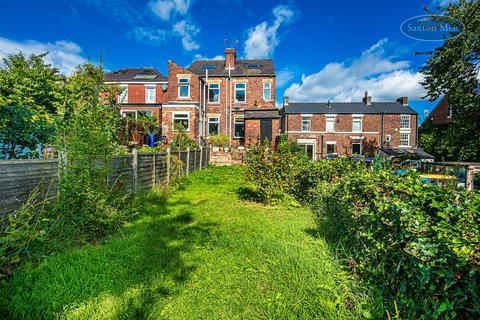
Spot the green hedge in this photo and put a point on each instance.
(417, 245)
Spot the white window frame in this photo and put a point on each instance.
(306, 117)
(354, 119)
(449, 113)
(327, 120)
(208, 93)
(269, 88)
(234, 123)
(135, 111)
(361, 147)
(235, 91)
(404, 118)
(183, 84)
(148, 87)
(123, 94)
(180, 113)
(408, 139)
(210, 121)
(330, 143)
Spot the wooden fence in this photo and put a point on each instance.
(18, 178)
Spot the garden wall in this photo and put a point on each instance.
(18, 178)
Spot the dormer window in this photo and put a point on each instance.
(184, 88)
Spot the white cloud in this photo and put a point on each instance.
(284, 77)
(64, 55)
(263, 39)
(151, 36)
(164, 9)
(187, 32)
(375, 72)
(199, 56)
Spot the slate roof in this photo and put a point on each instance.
(348, 107)
(262, 114)
(262, 67)
(136, 75)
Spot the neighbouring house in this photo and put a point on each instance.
(142, 92)
(441, 114)
(350, 128)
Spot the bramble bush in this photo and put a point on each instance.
(417, 246)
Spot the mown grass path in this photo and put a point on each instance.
(202, 253)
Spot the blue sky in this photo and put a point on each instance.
(322, 49)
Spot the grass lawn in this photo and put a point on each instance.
(201, 253)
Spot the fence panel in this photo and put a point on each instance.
(18, 178)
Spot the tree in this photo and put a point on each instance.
(21, 131)
(453, 69)
(30, 93)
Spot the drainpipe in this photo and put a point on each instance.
(230, 105)
(226, 102)
(321, 141)
(382, 128)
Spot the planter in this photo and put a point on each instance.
(136, 136)
(215, 148)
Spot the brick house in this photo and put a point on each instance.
(227, 90)
(350, 128)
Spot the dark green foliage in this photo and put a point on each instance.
(416, 244)
(31, 92)
(181, 140)
(22, 130)
(453, 68)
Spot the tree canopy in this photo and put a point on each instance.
(453, 69)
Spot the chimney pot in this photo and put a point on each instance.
(367, 99)
(403, 101)
(285, 101)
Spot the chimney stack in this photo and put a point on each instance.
(230, 57)
(403, 101)
(285, 101)
(367, 99)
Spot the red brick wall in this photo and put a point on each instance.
(439, 114)
(167, 122)
(252, 131)
(174, 71)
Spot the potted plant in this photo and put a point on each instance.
(217, 141)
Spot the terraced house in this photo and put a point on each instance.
(351, 128)
(231, 96)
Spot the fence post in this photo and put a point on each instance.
(188, 160)
(135, 169)
(168, 165)
(201, 155)
(154, 167)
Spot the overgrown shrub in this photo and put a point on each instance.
(273, 170)
(219, 140)
(417, 245)
(181, 140)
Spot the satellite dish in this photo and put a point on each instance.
(164, 87)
